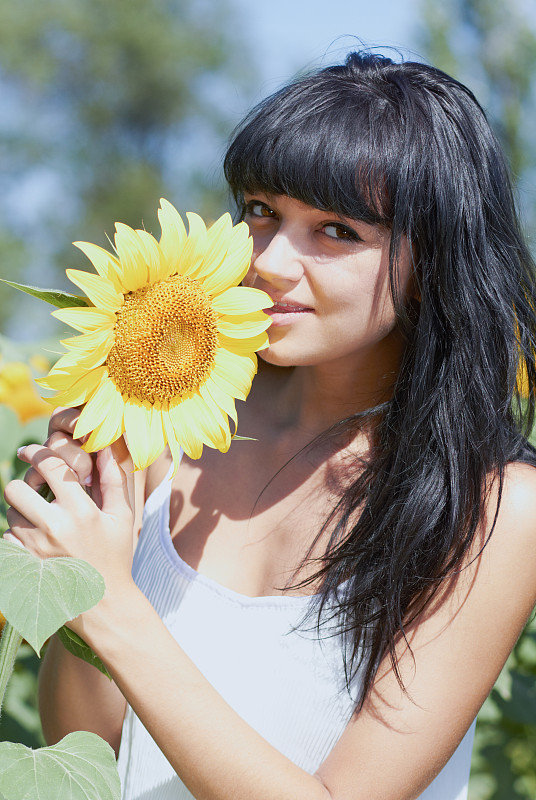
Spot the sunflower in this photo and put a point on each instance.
(167, 341)
(17, 390)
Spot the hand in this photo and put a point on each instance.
(73, 524)
(60, 440)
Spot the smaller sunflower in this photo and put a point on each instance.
(167, 341)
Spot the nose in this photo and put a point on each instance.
(278, 261)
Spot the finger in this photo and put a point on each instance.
(33, 478)
(63, 419)
(28, 510)
(113, 484)
(19, 525)
(57, 474)
(71, 451)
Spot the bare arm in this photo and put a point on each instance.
(390, 751)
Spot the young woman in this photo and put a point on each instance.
(321, 612)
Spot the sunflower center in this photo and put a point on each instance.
(165, 341)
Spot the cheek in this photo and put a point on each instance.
(249, 277)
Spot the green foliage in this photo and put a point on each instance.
(75, 645)
(20, 720)
(80, 767)
(503, 765)
(491, 46)
(52, 296)
(107, 108)
(37, 596)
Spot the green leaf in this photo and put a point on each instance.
(521, 708)
(16, 433)
(237, 438)
(52, 296)
(11, 433)
(20, 720)
(37, 596)
(80, 767)
(77, 647)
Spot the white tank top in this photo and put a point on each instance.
(286, 683)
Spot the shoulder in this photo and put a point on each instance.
(519, 491)
(506, 566)
(515, 526)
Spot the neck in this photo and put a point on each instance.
(310, 399)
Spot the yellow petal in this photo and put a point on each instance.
(244, 327)
(86, 319)
(157, 437)
(183, 430)
(135, 272)
(241, 300)
(144, 432)
(153, 256)
(219, 237)
(231, 271)
(110, 429)
(173, 236)
(192, 256)
(104, 262)
(102, 339)
(77, 363)
(210, 422)
(105, 402)
(100, 291)
(171, 438)
(79, 391)
(242, 346)
(234, 373)
(216, 398)
(138, 429)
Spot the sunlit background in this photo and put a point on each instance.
(108, 105)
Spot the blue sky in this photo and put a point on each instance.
(287, 35)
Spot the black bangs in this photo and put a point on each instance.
(317, 144)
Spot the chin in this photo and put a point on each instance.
(285, 357)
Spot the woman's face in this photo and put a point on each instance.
(329, 279)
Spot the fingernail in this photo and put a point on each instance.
(11, 538)
(20, 451)
(88, 481)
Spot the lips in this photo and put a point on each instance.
(280, 307)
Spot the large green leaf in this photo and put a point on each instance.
(80, 767)
(52, 296)
(37, 596)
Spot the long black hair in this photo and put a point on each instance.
(405, 146)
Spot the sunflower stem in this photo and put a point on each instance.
(10, 642)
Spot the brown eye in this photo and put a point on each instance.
(257, 209)
(337, 231)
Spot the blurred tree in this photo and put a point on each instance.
(107, 107)
(490, 46)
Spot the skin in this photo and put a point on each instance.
(336, 353)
